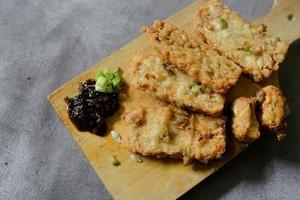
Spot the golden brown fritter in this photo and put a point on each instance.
(150, 72)
(245, 126)
(251, 47)
(272, 106)
(195, 59)
(164, 131)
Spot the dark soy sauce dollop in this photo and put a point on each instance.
(89, 109)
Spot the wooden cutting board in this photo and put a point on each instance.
(159, 179)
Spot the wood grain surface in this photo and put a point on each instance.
(159, 179)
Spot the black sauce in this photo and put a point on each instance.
(89, 109)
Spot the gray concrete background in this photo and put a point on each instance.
(43, 44)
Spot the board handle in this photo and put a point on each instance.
(278, 21)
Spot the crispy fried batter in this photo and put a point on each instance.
(258, 53)
(272, 110)
(245, 126)
(195, 59)
(167, 131)
(151, 73)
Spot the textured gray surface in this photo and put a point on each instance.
(43, 44)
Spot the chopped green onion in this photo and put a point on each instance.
(255, 52)
(291, 17)
(113, 160)
(252, 51)
(105, 73)
(107, 81)
(117, 81)
(195, 83)
(223, 23)
(170, 72)
(247, 46)
(195, 89)
(103, 85)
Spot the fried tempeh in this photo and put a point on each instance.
(272, 106)
(245, 126)
(164, 131)
(193, 57)
(150, 72)
(256, 51)
(269, 105)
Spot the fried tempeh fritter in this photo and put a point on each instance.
(272, 106)
(192, 57)
(269, 105)
(150, 72)
(245, 126)
(165, 131)
(250, 46)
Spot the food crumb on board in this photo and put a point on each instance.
(291, 17)
(114, 161)
(136, 158)
(116, 136)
